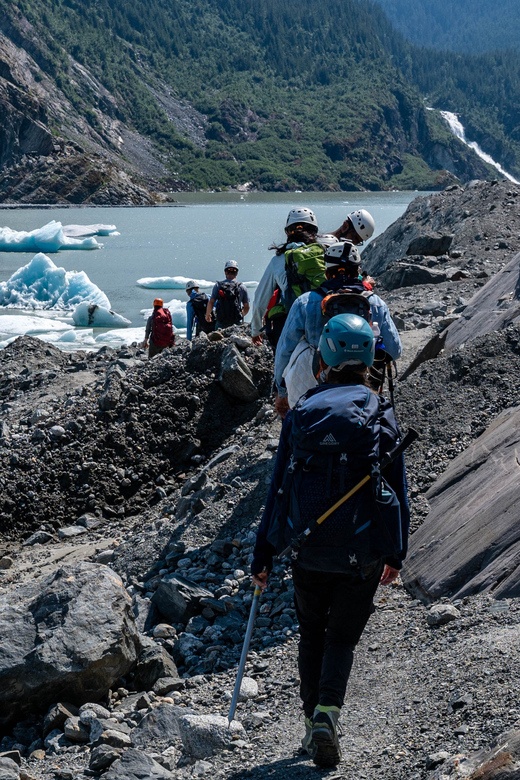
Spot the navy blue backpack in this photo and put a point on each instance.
(335, 442)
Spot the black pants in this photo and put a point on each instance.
(273, 330)
(333, 610)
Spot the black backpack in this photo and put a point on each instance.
(334, 443)
(199, 303)
(347, 300)
(229, 311)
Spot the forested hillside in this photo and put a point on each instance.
(470, 26)
(215, 93)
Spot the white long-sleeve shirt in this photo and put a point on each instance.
(274, 276)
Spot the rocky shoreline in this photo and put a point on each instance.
(130, 492)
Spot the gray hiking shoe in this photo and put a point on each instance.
(325, 737)
(308, 744)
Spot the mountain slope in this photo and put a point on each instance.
(212, 94)
(470, 26)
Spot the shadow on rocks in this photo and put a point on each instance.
(297, 767)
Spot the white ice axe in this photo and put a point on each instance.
(245, 649)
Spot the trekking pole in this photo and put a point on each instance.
(245, 649)
(295, 545)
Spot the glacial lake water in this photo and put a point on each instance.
(192, 239)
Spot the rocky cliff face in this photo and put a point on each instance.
(49, 153)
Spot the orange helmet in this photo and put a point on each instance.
(158, 302)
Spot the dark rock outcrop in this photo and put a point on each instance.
(493, 308)
(480, 217)
(470, 541)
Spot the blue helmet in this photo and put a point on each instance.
(347, 339)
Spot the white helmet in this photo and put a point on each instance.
(303, 215)
(327, 239)
(363, 222)
(342, 252)
(191, 285)
(231, 264)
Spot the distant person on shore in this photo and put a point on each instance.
(196, 311)
(306, 317)
(334, 437)
(230, 299)
(159, 329)
(301, 228)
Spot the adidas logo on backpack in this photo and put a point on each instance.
(329, 439)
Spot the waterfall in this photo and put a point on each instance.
(458, 130)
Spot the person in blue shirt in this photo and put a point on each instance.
(196, 311)
(305, 318)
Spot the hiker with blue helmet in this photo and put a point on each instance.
(306, 319)
(336, 435)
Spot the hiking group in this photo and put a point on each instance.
(227, 305)
(337, 504)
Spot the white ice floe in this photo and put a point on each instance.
(20, 325)
(120, 337)
(49, 238)
(177, 310)
(42, 285)
(178, 282)
(80, 231)
(93, 316)
(170, 282)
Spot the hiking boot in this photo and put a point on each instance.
(325, 737)
(308, 744)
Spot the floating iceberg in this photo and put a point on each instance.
(49, 238)
(177, 310)
(170, 282)
(42, 285)
(90, 315)
(177, 282)
(119, 337)
(79, 231)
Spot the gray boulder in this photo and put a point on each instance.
(235, 376)
(205, 735)
(135, 765)
(71, 635)
(178, 598)
(153, 663)
(111, 392)
(430, 245)
(159, 725)
(409, 274)
(9, 769)
(470, 540)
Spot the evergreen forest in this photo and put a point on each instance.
(304, 94)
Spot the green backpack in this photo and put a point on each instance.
(305, 269)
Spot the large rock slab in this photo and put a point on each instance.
(409, 274)
(235, 376)
(493, 307)
(430, 245)
(470, 540)
(177, 598)
(69, 636)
